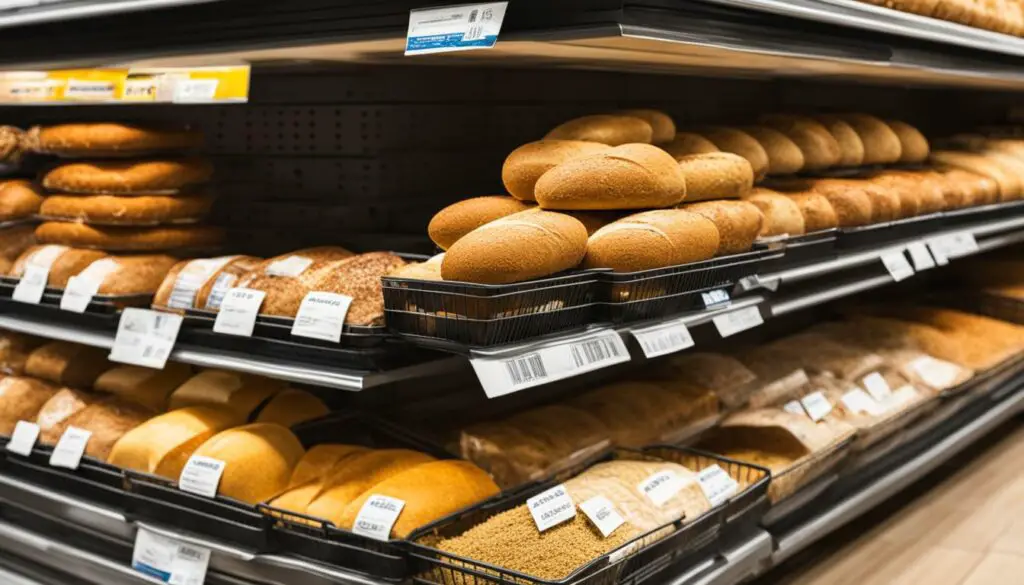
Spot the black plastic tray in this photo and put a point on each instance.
(279, 328)
(99, 303)
(983, 213)
(94, 480)
(892, 231)
(813, 247)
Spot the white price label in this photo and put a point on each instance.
(664, 338)
(78, 293)
(501, 375)
(454, 28)
(938, 250)
(962, 244)
(794, 407)
(738, 321)
(898, 266)
(936, 373)
(920, 256)
(291, 266)
(169, 560)
(903, 396)
(89, 89)
(817, 405)
(145, 338)
(661, 486)
(70, 448)
(602, 514)
(238, 311)
(201, 475)
(551, 507)
(23, 438)
(858, 401)
(876, 386)
(377, 516)
(195, 90)
(718, 486)
(321, 316)
(32, 284)
(715, 297)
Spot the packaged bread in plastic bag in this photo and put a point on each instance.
(724, 375)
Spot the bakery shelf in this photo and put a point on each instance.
(63, 10)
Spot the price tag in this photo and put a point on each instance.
(718, 486)
(661, 486)
(201, 475)
(936, 373)
(920, 256)
(903, 396)
(70, 448)
(602, 514)
(32, 284)
(377, 516)
(321, 316)
(238, 311)
(191, 91)
(291, 266)
(145, 338)
(78, 293)
(454, 28)
(961, 244)
(939, 252)
(877, 387)
(664, 338)
(860, 402)
(898, 266)
(551, 508)
(169, 560)
(23, 438)
(501, 375)
(715, 297)
(89, 89)
(738, 321)
(794, 407)
(817, 405)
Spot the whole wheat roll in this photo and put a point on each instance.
(738, 222)
(523, 246)
(738, 142)
(881, 144)
(632, 176)
(525, 165)
(716, 175)
(816, 209)
(1009, 185)
(18, 200)
(913, 144)
(784, 156)
(687, 143)
(652, 239)
(851, 148)
(663, 127)
(458, 219)
(781, 214)
(607, 129)
(820, 149)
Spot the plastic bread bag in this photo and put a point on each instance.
(818, 353)
(726, 376)
(780, 376)
(925, 371)
(692, 410)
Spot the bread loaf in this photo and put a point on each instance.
(258, 460)
(663, 128)
(525, 165)
(718, 175)
(240, 393)
(14, 351)
(144, 386)
(428, 270)
(458, 219)
(128, 239)
(131, 275)
(687, 143)
(975, 189)
(652, 239)
(913, 186)
(14, 241)
(127, 211)
(913, 144)
(291, 407)
(784, 156)
(21, 400)
(288, 278)
(110, 139)
(212, 293)
(68, 364)
(180, 288)
(851, 149)
(632, 176)
(816, 209)
(108, 420)
(738, 223)
(741, 143)
(63, 262)
(493, 253)
(781, 214)
(124, 177)
(53, 416)
(1010, 186)
(320, 461)
(13, 145)
(163, 444)
(18, 200)
(820, 149)
(604, 128)
(885, 202)
(881, 144)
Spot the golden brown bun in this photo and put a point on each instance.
(114, 210)
(68, 364)
(663, 128)
(128, 239)
(738, 223)
(885, 202)
(907, 184)
(259, 459)
(494, 253)
(604, 128)
(687, 143)
(1009, 185)
(977, 189)
(108, 420)
(652, 239)
(525, 165)
(110, 139)
(21, 399)
(15, 240)
(717, 175)
(852, 207)
(67, 263)
(632, 176)
(53, 416)
(784, 156)
(914, 145)
(816, 209)
(291, 407)
(820, 148)
(881, 144)
(738, 142)
(18, 200)
(851, 149)
(781, 214)
(458, 219)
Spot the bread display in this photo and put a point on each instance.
(458, 219)
(739, 223)
(18, 200)
(687, 143)
(68, 364)
(240, 393)
(781, 214)
(127, 211)
(114, 275)
(110, 139)
(128, 239)
(741, 143)
(526, 164)
(258, 460)
(290, 407)
(53, 416)
(881, 144)
(719, 175)
(663, 128)
(612, 130)
(189, 283)
(819, 147)
(913, 144)
(652, 239)
(62, 262)
(784, 156)
(128, 177)
(21, 400)
(143, 386)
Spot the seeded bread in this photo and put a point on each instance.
(781, 214)
(129, 210)
(123, 177)
(686, 143)
(604, 128)
(913, 144)
(851, 149)
(110, 139)
(68, 364)
(18, 200)
(816, 209)
(62, 261)
(526, 164)
(717, 175)
(820, 148)
(738, 142)
(21, 399)
(258, 458)
(881, 144)
(188, 284)
(128, 239)
(663, 128)
(652, 239)
(738, 222)
(458, 219)
(784, 156)
(291, 407)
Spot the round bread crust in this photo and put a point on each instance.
(739, 142)
(913, 144)
(817, 211)
(18, 200)
(781, 214)
(124, 177)
(738, 222)
(663, 127)
(109, 138)
(784, 156)
(687, 143)
(604, 128)
(851, 148)
(820, 149)
(128, 238)
(716, 175)
(881, 144)
(458, 219)
(526, 164)
(127, 211)
(652, 239)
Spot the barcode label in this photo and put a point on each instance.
(817, 405)
(664, 338)
(738, 321)
(168, 559)
(591, 352)
(877, 387)
(454, 28)
(715, 297)
(526, 369)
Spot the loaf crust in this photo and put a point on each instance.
(211, 294)
(458, 219)
(128, 238)
(67, 263)
(1009, 185)
(124, 177)
(784, 156)
(652, 239)
(128, 211)
(820, 149)
(604, 128)
(21, 399)
(525, 165)
(975, 189)
(68, 364)
(663, 128)
(201, 274)
(259, 457)
(781, 214)
(686, 143)
(913, 144)
(851, 148)
(909, 185)
(738, 223)
(881, 144)
(741, 143)
(110, 139)
(18, 200)
(15, 240)
(718, 175)
(816, 209)
(885, 202)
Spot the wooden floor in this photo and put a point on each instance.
(962, 525)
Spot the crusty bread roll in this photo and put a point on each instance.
(913, 186)
(881, 144)
(652, 239)
(604, 128)
(816, 209)
(292, 406)
(121, 177)
(110, 139)
(458, 219)
(53, 416)
(495, 253)
(885, 203)
(717, 175)
(258, 458)
(781, 214)
(428, 270)
(62, 261)
(851, 149)
(738, 223)
(18, 200)
(913, 144)
(115, 210)
(128, 239)
(525, 165)
(977, 189)
(738, 142)
(820, 149)
(663, 128)
(1009, 185)
(22, 399)
(632, 176)
(852, 207)
(784, 156)
(686, 143)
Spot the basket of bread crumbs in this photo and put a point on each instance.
(622, 520)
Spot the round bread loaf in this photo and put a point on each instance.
(885, 203)
(852, 207)
(784, 156)
(652, 239)
(820, 149)
(913, 144)
(686, 143)
(816, 209)
(716, 175)
(527, 245)
(525, 165)
(115, 210)
(663, 128)
(738, 223)
(851, 149)
(741, 143)
(881, 144)
(18, 200)
(258, 458)
(122, 177)
(1009, 185)
(110, 139)
(128, 238)
(910, 185)
(632, 176)
(781, 214)
(458, 219)
(604, 128)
